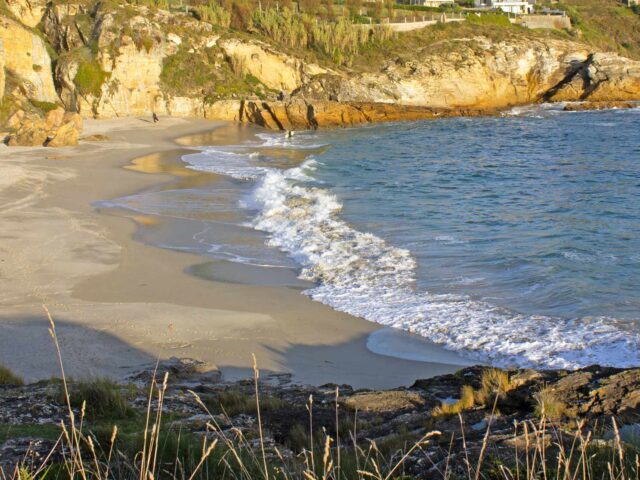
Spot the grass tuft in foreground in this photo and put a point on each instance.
(101, 398)
(495, 384)
(7, 377)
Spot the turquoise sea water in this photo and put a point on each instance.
(513, 240)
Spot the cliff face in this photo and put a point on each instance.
(28, 12)
(476, 73)
(26, 62)
(119, 60)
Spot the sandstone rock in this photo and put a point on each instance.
(29, 135)
(616, 395)
(223, 110)
(274, 69)
(28, 451)
(97, 137)
(2, 74)
(64, 32)
(463, 76)
(26, 57)
(66, 135)
(172, 37)
(180, 369)
(597, 105)
(301, 114)
(74, 117)
(54, 118)
(29, 12)
(15, 120)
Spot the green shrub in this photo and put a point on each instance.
(7, 377)
(90, 77)
(213, 13)
(338, 40)
(44, 106)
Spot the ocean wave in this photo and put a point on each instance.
(361, 274)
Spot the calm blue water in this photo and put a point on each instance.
(511, 240)
(539, 215)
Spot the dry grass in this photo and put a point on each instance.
(7, 377)
(467, 401)
(549, 406)
(495, 384)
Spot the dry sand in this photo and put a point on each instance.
(120, 304)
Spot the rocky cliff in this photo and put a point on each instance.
(117, 59)
(27, 63)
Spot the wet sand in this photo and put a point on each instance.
(120, 304)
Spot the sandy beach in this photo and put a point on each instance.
(120, 304)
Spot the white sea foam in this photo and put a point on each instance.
(361, 274)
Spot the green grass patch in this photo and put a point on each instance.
(605, 24)
(44, 107)
(90, 78)
(234, 402)
(548, 405)
(48, 431)
(495, 19)
(103, 399)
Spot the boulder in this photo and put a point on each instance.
(30, 134)
(54, 118)
(391, 401)
(178, 369)
(15, 120)
(74, 117)
(96, 137)
(66, 135)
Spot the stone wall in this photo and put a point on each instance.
(558, 22)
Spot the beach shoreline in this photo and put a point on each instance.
(120, 304)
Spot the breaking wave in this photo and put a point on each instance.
(361, 274)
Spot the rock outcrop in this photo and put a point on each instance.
(601, 77)
(274, 69)
(27, 61)
(505, 419)
(56, 128)
(28, 12)
(300, 113)
(477, 73)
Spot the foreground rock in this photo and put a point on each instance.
(492, 419)
(56, 128)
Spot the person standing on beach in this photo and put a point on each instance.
(155, 117)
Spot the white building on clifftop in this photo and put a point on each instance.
(508, 6)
